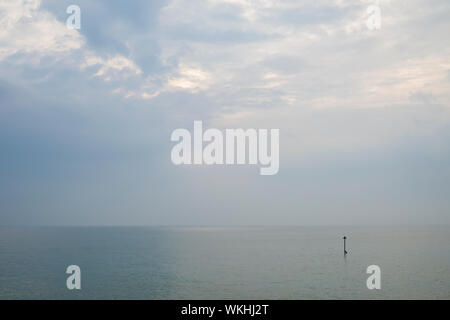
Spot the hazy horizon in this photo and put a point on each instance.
(218, 226)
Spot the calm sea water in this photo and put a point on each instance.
(224, 263)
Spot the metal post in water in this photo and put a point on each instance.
(345, 249)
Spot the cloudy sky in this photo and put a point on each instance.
(86, 115)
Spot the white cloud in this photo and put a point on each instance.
(115, 68)
(192, 79)
(26, 29)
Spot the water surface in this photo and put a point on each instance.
(224, 262)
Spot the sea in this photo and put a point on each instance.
(161, 263)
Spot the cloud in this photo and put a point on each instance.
(112, 68)
(30, 34)
(190, 79)
(26, 29)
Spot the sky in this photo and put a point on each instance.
(86, 115)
